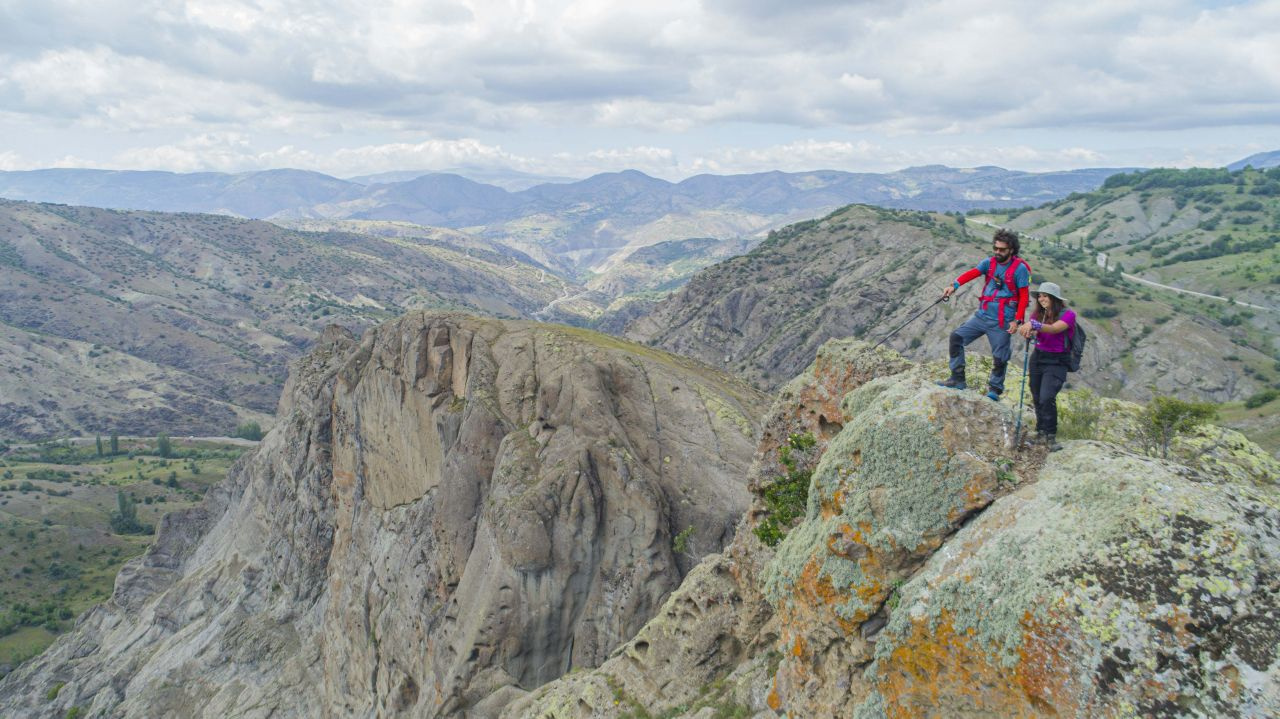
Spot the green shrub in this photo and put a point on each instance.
(680, 543)
(1078, 414)
(1166, 417)
(249, 430)
(1100, 313)
(1257, 400)
(788, 495)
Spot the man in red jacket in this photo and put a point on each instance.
(1001, 307)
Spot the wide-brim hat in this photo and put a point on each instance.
(1050, 288)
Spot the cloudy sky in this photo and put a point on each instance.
(669, 87)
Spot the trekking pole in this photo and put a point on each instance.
(943, 298)
(1022, 392)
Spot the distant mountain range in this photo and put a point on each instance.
(574, 226)
(512, 180)
(444, 198)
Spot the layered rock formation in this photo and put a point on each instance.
(937, 571)
(451, 511)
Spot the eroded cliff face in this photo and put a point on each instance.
(451, 512)
(939, 571)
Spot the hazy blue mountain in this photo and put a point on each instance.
(510, 180)
(1259, 161)
(248, 194)
(437, 199)
(383, 178)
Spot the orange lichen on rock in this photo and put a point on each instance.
(977, 493)
(774, 701)
(812, 597)
(939, 670)
(829, 507)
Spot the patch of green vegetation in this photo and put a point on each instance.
(1004, 470)
(680, 543)
(1258, 399)
(1166, 417)
(61, 554)
(1078, 414)
(788, 495)
(249, 430)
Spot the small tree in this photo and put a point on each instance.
(1167, 417)
(250, 431)
(163, 447)
(115, 443)
(125, 519)
(98, 443)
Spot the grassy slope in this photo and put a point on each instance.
(60, 555)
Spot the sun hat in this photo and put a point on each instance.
(1050, 288)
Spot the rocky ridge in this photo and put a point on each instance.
(938, 572)
(450, 511)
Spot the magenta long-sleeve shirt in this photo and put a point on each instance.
(1046, 342)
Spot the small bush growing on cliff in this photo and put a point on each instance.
(1078, 416)
(680, 543)
(1166, 417)
(787, 497)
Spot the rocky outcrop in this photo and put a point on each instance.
(451, 511)
(938, 570)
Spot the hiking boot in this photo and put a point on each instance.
(993, 395)
(955, 381)
(1048, 440)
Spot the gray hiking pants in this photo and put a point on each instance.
(1001, 346)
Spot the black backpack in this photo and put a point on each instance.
(1075, 347)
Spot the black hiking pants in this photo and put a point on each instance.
(1048, 373)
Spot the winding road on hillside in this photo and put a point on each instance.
(1179, 290)
(540, 315)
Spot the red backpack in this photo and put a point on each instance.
(1009, 281)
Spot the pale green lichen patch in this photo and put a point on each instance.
(723, 411)
(1228, 454)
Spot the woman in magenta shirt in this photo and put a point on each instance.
(1051, 324)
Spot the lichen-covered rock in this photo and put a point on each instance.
(449, 513)
(912, 463)
(1115, 585)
